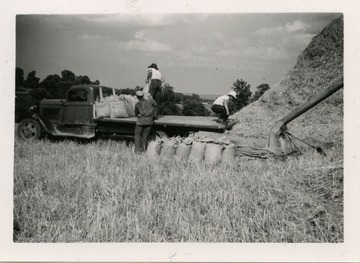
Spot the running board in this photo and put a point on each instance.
(56, 132)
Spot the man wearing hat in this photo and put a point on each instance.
(220, 105)
(154, 78)
(146, 111)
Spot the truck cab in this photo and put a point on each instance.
(73, 116)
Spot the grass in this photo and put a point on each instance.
(102, 192)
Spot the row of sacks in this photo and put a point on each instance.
(192, 149)
(116, 106)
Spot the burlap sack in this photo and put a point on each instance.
(228, 154)
(130, 102)
(213, 153)
(197, 152)
(183, 151)
(153, 149)
(168, 149)
(118, 109)
(133, 101)
(102, 109)
(146, 88)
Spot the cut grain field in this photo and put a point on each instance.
(102, 192)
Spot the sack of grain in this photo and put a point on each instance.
(128, 105)
(213, 153)
(102, 109)
(133, 101)
(197, 152)
(147, 96)
(118, 109)
(168, 148)
(130, 102)
(153, 149)
(146, 88)
(183, 151)
(228, 154)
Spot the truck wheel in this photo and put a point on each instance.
(29, 129)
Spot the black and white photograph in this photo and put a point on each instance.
(180, 133)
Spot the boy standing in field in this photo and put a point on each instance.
(146, 111)
(220, 106)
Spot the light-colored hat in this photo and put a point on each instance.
(139, 93)
(232, 93)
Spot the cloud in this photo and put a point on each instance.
(140, 41)
(200, 50)
(91, 37)
(295, 26)
(134, 20)
(145, 45)
(219, 36)
(277, 43)
(267, 31)
(289, 27)
(266, 53)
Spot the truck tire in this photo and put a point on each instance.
(29, 129)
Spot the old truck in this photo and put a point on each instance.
(75, 116)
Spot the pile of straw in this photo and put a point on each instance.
(319, 66)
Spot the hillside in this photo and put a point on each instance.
(318, 66)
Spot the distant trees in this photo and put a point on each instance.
(168, 100)
(193, 106)
(126, 91)
(68, 76)
(31, 82)
(31, 91)
(260, 90)
(53, 86)
(174, 103)
(243, 95)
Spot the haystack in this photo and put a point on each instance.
(319, 66)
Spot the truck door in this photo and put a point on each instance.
(78, 108)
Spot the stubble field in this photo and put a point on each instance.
(100, 191)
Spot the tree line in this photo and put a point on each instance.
(30, 90)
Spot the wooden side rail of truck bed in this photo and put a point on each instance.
(170, 124)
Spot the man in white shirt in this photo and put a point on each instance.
(154, 78)
(220, 105)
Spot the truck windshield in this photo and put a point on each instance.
(77, 95)
(106, 92)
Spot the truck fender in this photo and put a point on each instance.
(44, 124)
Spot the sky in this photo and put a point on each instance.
(202, 53)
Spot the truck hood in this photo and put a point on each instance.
(51, 102)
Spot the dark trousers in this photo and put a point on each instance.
(155, 89)
(141, 136)
(221, 111)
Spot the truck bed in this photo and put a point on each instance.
(197, 122)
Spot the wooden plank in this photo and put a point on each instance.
(172, 120)
(189, 121)
(118, 120)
